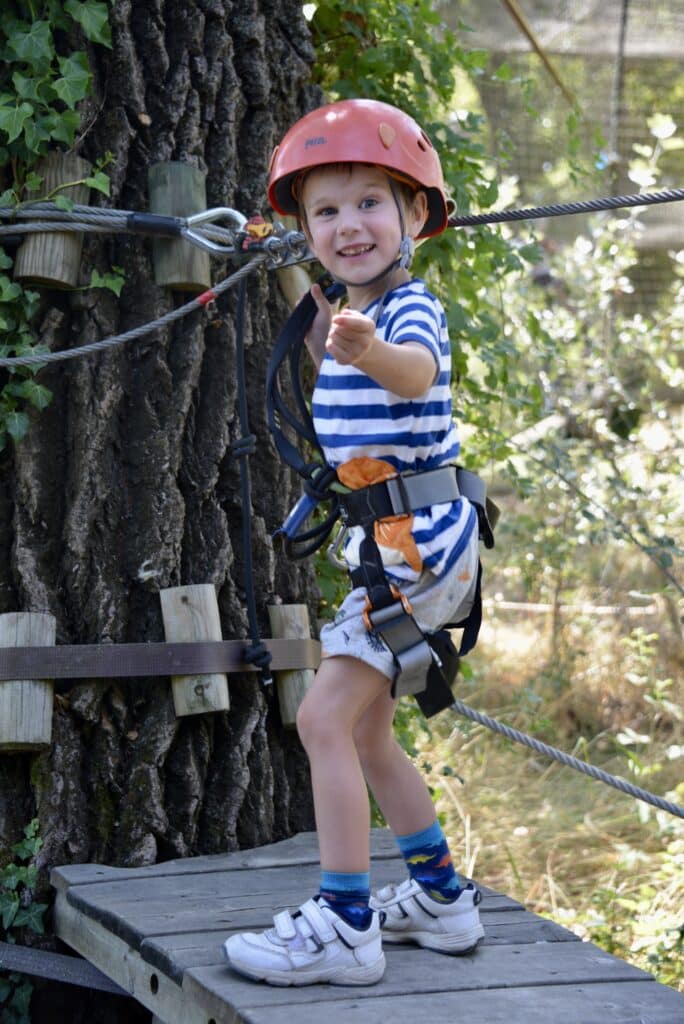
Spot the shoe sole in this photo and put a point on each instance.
(454, 946)
(368, 975)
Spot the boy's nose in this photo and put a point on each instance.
(349, 224)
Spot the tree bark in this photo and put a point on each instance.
(127, 483)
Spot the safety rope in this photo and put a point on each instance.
(257, 653)
(567, 759)
(199, 302)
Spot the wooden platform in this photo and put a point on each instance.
(158, 931)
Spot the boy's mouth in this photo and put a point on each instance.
(356, 250)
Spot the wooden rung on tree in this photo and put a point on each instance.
(191, 613)
(178, 190)
(291, 621)
(53, 258)
(26, 704)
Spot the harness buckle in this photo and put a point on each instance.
(398, 496)
(397, 595)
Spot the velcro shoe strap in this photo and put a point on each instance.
(313, 915)
(284, 925)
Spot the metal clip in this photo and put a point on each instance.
(333, 550)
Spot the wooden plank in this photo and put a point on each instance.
(191, 613)
(299, 849)
(139, 908)
(159, 994)
(176, 953)
(157, 932)
(26, 704)
(412, 971)
(641, 1002)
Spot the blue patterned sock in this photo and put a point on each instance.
(429, 862)
(348, 894)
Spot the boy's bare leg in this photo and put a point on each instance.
(397, 785)
(342, 691)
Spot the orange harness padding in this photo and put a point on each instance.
(393, 531)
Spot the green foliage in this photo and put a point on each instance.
(42, 82)
(41, 87)
(19, 911)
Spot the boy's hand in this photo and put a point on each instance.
(351, 336)
(407, 370)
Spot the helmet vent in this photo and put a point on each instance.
(423, 142)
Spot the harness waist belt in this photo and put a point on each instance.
(404, 493)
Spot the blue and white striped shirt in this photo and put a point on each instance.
(354, 416)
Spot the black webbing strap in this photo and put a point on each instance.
(104, 661)
(287, 348)
(71, 970)
(318, 476)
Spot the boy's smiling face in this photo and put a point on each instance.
(351, 222)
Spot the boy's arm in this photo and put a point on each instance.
(407, 370)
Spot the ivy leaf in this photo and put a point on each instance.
(9, 290)
(33, 182)
(26, 88)
(114, 282)
(64, 203)
(99, 181)
(34, 46)
(36, 135)
(75, 80)
(12, 119)
(65, 127)
(17, 424)
(32, 917)
(9, 906)
(93, 17)
(40, 397)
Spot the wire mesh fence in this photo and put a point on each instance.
(620, 61)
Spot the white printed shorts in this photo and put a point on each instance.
(434, 602)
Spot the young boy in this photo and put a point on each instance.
(366, 182)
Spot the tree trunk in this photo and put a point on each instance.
(127, 484)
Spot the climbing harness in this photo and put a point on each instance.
(425, 665)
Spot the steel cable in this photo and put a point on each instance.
(138, 332)
(673, 195)
(567, 759)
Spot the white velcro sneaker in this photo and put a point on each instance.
(409, 915)
(313, 945)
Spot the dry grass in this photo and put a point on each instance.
(609, 867)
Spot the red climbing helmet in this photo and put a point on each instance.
(365, 132)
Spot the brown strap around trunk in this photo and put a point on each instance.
(103, 661)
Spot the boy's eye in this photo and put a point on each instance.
(325, 211)
(368, 202)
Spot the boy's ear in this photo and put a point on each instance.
(418, 213)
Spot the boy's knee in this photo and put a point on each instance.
(313, 721)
